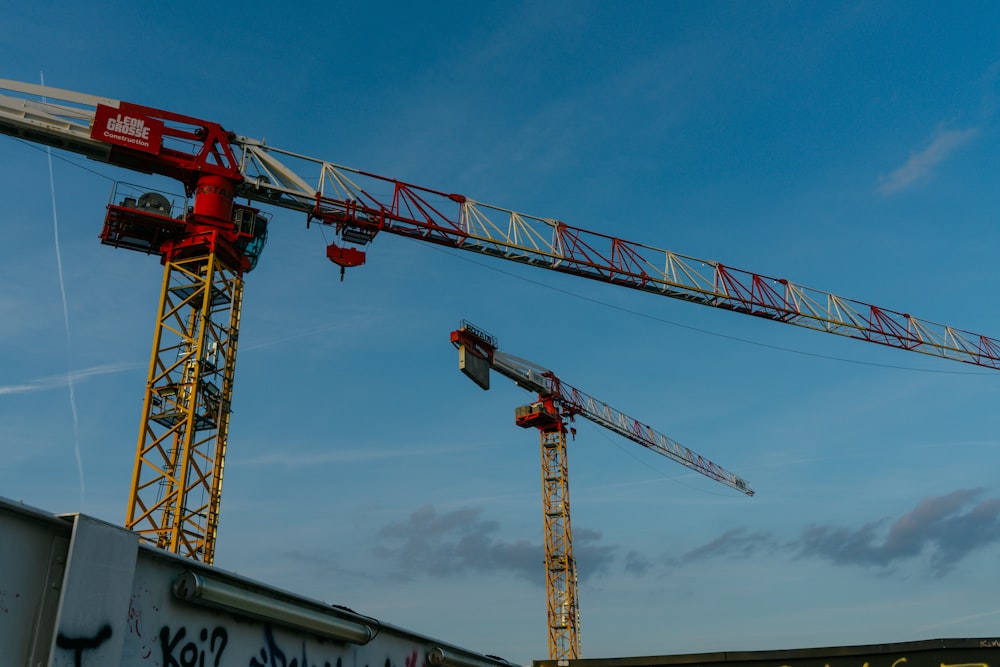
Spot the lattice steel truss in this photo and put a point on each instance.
(177, 479)
(560, 566)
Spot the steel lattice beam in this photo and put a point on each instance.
(177, 478)
(560, 566)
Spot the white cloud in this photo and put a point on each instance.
(59, 381)
(921, 164)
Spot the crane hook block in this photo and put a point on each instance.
(345, 257)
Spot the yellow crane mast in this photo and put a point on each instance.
(177, 479)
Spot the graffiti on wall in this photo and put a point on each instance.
(272, 655)
(203, 649)
(78, 645)
(180, 647)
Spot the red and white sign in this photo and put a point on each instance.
(118, 126)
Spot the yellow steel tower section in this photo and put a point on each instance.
(560, 566)
(177, 479)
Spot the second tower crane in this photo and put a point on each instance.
(557, 405)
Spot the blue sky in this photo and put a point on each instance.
(849, 147)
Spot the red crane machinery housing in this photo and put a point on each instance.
(208, 242)
(558, 404)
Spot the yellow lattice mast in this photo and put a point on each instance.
(562, 606)
(177, 478)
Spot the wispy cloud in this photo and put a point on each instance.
(736, 543)
(61, 381)
(920, 165)
(451, 543)
(948, 528)
(637, 564)
(958, 620)
(945, 529)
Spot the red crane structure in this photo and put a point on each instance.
(208, 242)
(557, 405)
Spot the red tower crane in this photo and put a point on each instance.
(208, 242)
(558, 404)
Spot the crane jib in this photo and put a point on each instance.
(362, 203)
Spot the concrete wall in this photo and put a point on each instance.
(79, 592)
